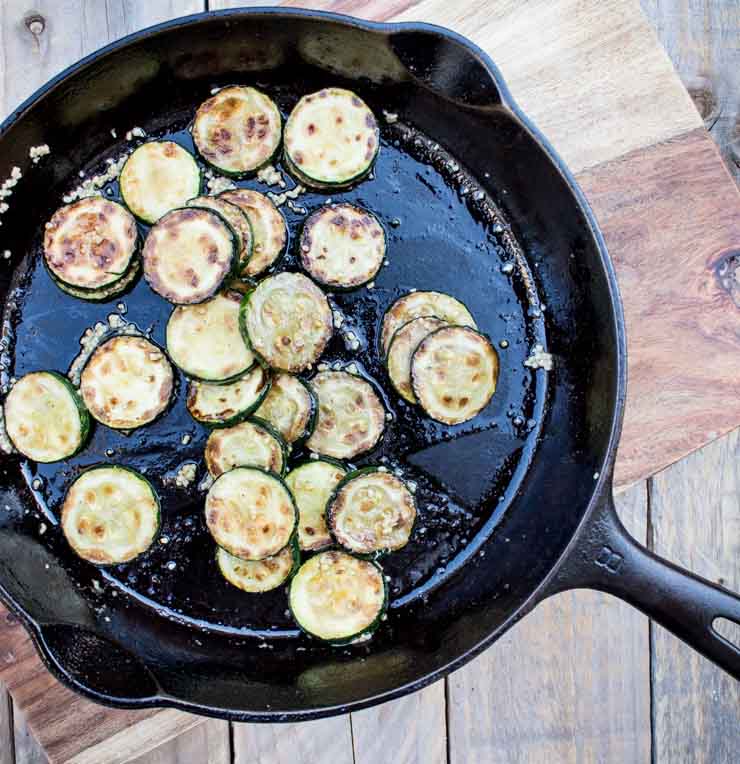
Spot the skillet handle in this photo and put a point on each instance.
(607, 558)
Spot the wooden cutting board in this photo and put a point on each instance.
(593, 77)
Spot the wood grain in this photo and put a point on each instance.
(571, 682)
(701, 38)
(6, 729)
(695, 522)
(207, 743)
(413, 728)
(27, 749)
(590, 74)
(666, 235)
(326, 740)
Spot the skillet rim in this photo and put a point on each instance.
(602, 485)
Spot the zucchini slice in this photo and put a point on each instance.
(158, 177)
(205, 340)
(269, 230)
(225, 405)
(250, 513)
(371, 511)
(312, 485)
(90, 243)
(103, 293)
(188, 254)
(337, 597)
(342, 246)
(110, 515)
(127, 382)
(351, 417)
(290, 407)
(402, 347)
(248, 444)
(331, 139)
(45, 418)
(418, 304)
(237, 130)
(257, 576)
(454, 373)
(287, 321)
(236, 218)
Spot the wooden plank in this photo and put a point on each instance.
(571, 682)
(326, 740)
(568, 63)
(27, 749)
(413, 728)
(205, 744)
(667, 235)
(7, 753)
(701, 39)
(695, 522)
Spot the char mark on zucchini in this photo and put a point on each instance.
(90, 244)
(287, 321)
(331, 139)
(342, 246)
(338, 598)
(188, 254)
(250, 513)
(454, 372)
(127, 382)
(110, 515)
(238, 130)
(351, 416)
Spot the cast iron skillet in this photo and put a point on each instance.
(515, 505)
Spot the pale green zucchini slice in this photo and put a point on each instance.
(403, 344)
(229, 404)
(205, 340)
(331, 139)
(290, 407)
(127, 382)
(287, 321)
(188, 254)
(158, 177)
(342, 246)
(454, 372)
(107, 292)
(351, 416)
(45, 418)
(371, 511)
(257, 576)
(110, 515)
(418, 304)
(238, 221)
(90, 243)
(237, 130)
(338, 598)
(269, 230)
(250, 513)
(312, 485)
(248, 444)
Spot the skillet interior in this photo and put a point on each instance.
(124, 642)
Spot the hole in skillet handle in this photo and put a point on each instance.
(605, 557)
(728, 630)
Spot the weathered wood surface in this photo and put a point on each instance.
(570, 682)
(592, 78)
(695, 521)
(703, 41)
